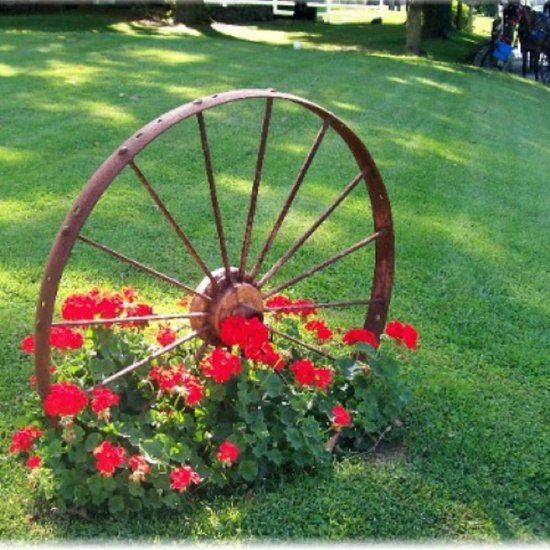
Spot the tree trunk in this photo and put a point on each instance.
(470, 23)
(191, 13)
(437, 20)
(414, 28)
(458, 17)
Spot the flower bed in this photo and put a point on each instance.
(182, 424)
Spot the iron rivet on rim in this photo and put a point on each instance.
(123, 150)
(197, 101)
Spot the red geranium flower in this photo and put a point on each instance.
(22, 440)
(65, 399)
(246, 333)
(129, 294)
(228, 453)
(166, 336)
(183, 477)
(33, 462)
(110, 305)
(167, 377)
(102, 399)
(280, 301)
(109, 457)
(140, 468)
(193, 389)
(405, 334)
(77, 307)
(354, 335)
(65, 338)
(139, 310)
(252, 336)
(220, 365)
(322, 378)
(175, 379)
(266, 354)
(306, 308)
(320, 328)
(62, 338)
(27, 344)
(304, 372)
(340, 417)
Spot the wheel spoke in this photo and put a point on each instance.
(142, 267)
(255, 186)
(126, 320)
(309, 272)
(214, 195)
(300, 343)
(321, 305)
(300, 241)
(149, 358)
(290, 198)
(170, 219)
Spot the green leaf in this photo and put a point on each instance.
(248, 470)
(217, 392)
(116, 504)
(136, 489)
(135, 504)
(172, 500)
(288, 416)
(275, 456)
(92, 441)
(294, 437)
(273, 385)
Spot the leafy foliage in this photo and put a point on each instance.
(137, 442)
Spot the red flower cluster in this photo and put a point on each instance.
(104, 305)
(139, 310)
(228, 453)
(354, 335)
(33, 462)
(300, 306)
(65, 399)
(140, 468)
(109, 457)
(340, 417)
(404, 334)
(129, 293)
(221, 365)
(22, 440)
(252, 336)
(183, 477)
(62, 338)
(175, 379)
(102, 399)
(78, 306)
(320, 328)
(165, 336)
(307, 374)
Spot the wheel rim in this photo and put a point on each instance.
(230, 289)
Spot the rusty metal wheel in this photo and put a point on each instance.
(230, 289)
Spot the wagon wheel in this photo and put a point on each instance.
(230, 289)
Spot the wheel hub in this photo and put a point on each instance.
(228, 298)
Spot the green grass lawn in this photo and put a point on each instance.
(464, 154)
